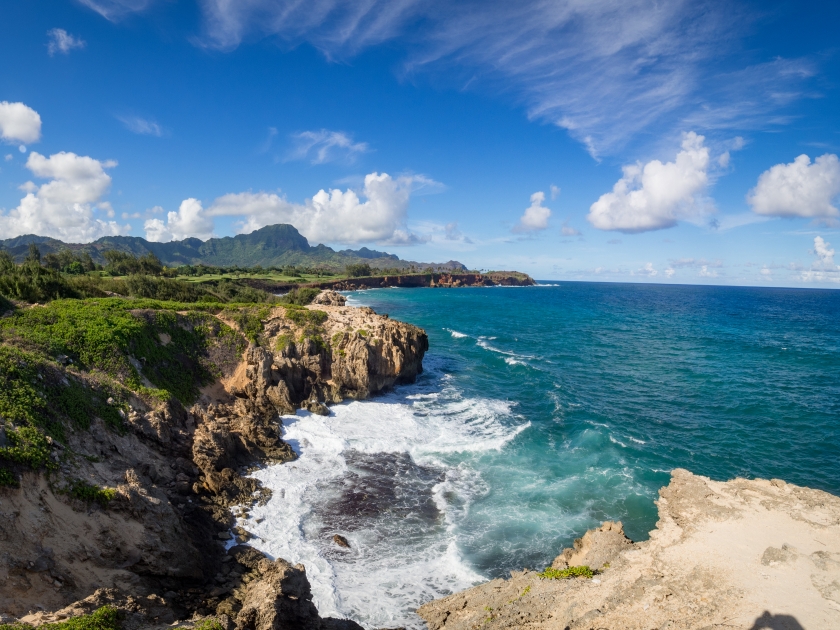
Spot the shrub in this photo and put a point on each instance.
(106, 618)
(568, 572)
(7, 478)
(300, 297)
(358, 270)
(90, 493)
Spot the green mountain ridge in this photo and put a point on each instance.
(271, 246)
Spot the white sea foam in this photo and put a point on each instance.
(455, 333)
(385, 475)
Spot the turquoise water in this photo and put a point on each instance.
(544, 411)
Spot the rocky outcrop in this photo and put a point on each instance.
(329, 298)
(743, 554)
(155, 546)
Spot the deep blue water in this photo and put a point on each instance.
(622, 383)
(542, 412)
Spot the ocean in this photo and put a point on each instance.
(542, 412)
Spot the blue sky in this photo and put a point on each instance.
(599, 140)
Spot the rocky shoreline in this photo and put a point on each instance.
(159, 550)
(747, 554)
(165, 549)
(435, 280)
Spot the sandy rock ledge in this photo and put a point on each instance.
(747, 554)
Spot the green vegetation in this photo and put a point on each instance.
(208, 624)
(300, 297)
(124, 264)
(358, 270)
(90, 493)
(7, 478)
(568, 572)
(105, 618)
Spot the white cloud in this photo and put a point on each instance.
(648, 270)
(535, 217)
(824, 269)
(19, 123)
(695, 262)
(568, 230)
(141, 126)
(9, 157)
(113, 10)
(189, 221)
(65, 206)
(60, 41)
(603, 70)
(656, 195)
(669, 273)
(334, 216)
(706, 273)
(322, 146)
(555, 191)
(798, 189)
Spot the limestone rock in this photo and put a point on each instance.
(740, 554)
(330, 298)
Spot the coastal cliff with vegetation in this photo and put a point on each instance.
(127, 429)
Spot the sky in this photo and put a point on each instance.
(633, 141)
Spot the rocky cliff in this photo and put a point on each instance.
(134, 510)
(746, 554)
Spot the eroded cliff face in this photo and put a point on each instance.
(743, 554)
(157, 548)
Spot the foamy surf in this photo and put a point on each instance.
(385, 475)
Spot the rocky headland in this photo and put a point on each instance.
(133, 510)
(746, 554)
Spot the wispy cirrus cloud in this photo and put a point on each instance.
(60, 41)
(142, 126)
(605, 71)
(114, 10)
(323, 145)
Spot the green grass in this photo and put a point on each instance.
(90, 493)
(106, 618)
(568, 572)
(208, 624)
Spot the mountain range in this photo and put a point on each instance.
(272, 246)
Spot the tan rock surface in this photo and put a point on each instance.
(743, 554)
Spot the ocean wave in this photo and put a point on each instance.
(381, 474)
(455, 333)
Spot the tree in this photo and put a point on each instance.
(358, 270)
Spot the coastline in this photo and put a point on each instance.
(230, 434)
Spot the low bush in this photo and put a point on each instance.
(568, 572)
(106, 618)
(300, 297)
(90, 493)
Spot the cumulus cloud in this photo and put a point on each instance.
(555, 191)
(334, 216)
(648, 270)
(60, 41)
(141, 126)
(823, 269)
(535, 217)
(65, 206)
(19, 123)
(189, 221)
(655, 196)
(568, 230)
(322, 146)
(798, 189)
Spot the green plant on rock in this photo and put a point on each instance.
(208, 624)
(7, 478)
(91, 493)
(568, 572)
(105, 618)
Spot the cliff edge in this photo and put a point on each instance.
(746, 554)
(127, 431)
